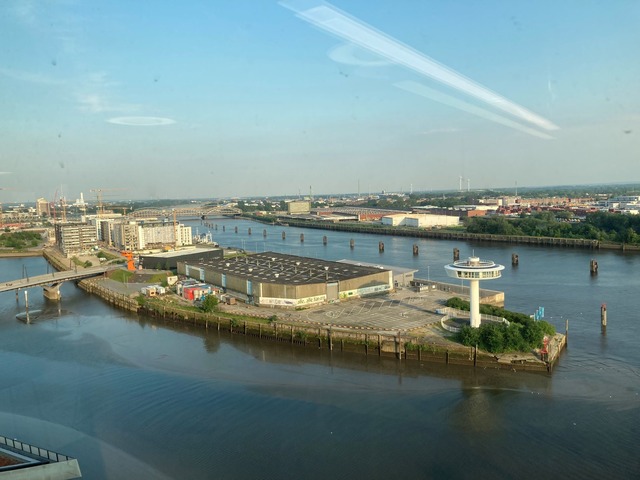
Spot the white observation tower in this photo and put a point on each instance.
(474, 270)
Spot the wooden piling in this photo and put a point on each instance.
(456, 254)
(381, 246)
(415, 249)
(515, 260)
(593, 267)
(603, 318)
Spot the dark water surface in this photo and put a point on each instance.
(132, 398)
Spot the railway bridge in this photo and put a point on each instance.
(187, 211)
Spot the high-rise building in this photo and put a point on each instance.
(43, 208)
(73, 238)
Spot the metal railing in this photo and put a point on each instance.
(450, 312)
(33, 450)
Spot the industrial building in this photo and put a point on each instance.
(276, 279)
(420, 220)
(298, 206)
(169, 260)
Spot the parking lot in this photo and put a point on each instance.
(404, 310)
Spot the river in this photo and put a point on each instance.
(133, 398)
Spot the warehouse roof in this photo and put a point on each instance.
(181, 253)
(275, 267)
(394, 269)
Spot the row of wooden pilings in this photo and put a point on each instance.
(515, 259)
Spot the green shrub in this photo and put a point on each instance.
(209, 304)
(521, 335)
(492, 337)
(469, 336)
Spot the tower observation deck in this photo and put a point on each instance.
(474, 270)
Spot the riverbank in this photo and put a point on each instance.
(21, 253)
(443, 234)
(426, 342)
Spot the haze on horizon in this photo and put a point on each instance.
(225, 98)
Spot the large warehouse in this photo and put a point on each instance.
(169, 260)
(276, 279)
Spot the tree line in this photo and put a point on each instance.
(602, 226)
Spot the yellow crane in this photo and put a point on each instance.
(99, 196)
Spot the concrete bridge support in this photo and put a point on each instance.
(52, 292)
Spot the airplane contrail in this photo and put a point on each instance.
(330, 19)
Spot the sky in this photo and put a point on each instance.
(226, 98)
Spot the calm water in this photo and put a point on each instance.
(134, 399)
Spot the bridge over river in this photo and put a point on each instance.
(196, 211)
(51, 282)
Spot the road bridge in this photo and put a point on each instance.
(186, 211)
(51, 282)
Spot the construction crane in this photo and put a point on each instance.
(63, 206)
(99, 196)
(128, 254)
(175, 231)
(118, 207)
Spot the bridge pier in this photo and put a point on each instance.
(52, 292)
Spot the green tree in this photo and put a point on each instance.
(492, 337)
(209, 304)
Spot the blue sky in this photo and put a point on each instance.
(206, 99)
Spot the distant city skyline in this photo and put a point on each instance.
(235, 99)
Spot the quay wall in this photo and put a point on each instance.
(455, 235)
(393, 345)
(55, 259)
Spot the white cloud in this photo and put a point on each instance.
(25, 11)
(30, 77)
(98, 103)
(141, 121)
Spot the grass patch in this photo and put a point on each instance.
(121, 276)
(108, 256)
(159, 277)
